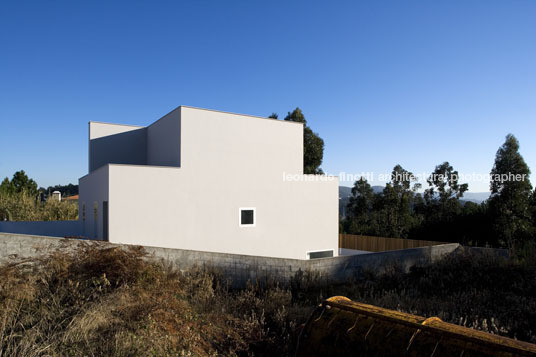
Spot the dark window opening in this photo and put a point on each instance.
(324, 254)
(247, 217)
(105, 220)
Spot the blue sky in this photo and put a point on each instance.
(414, 83)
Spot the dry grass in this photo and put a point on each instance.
(109, 301)
(99, 301)
(22, 207)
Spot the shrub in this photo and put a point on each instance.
(111, 301)
(23, 207)
(99, 301)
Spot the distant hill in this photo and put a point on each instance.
(345, 193)
(476, 197)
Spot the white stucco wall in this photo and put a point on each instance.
(231, 145)
(183, 211)
(118, 144)
(227, 161)
(93, 191)
(163, 140)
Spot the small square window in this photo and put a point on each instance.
(247, 217)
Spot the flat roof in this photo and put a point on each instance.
(196, 108)
(102, 122)
(245, 115)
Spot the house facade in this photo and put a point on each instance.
(210, 181)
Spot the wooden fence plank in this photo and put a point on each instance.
(380, 244)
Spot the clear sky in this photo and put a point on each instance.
(414, 83)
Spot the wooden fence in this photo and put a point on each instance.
(380, 244)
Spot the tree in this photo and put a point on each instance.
(360, 207)
(273, 116)
(473, 226)
(388, 214)
(5, 186)
(19, 183)
(402, 179)
(533, 207)
(510, 194)
(404, 185)
(394, 207)
(313, 145)
(443, 195)
(65, 190)
(437, 214)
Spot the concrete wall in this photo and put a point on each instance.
(118, 144)
(164, 140)
(44, 228)
(241, 268)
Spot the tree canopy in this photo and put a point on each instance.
(511, 193)
(313, 145)
(19, 201)
(20, 182)
(506, 219)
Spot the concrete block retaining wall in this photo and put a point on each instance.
(241, 268)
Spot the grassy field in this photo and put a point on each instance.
(101, 301)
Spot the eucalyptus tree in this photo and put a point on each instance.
(511, 193)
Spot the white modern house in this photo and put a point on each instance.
(210, 181)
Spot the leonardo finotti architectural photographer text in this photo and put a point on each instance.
(422, 177)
